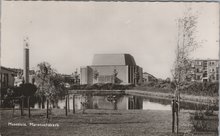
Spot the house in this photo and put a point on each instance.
(7, 77)
(19, 76)
(148, 77)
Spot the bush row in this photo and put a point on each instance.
(204, 89)
(107, 86)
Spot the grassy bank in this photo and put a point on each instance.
(188, 88)
(184, 97)
(206, 93)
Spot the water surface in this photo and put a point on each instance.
(113, 102)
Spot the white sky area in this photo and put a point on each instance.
(68, 34)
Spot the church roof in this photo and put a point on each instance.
(113, 59)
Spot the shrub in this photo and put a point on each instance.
(23, 90)
(191, 88)
(205, 89)
(102, 86)
(202, 122)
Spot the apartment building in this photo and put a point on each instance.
(205, 70)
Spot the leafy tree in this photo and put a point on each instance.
(95, 74)
(76, 77)
(26, 89)
(50, 84)
(116, 79)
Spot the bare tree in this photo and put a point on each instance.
(186, 44)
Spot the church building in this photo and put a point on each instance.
(111, 68)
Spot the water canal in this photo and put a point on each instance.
(113, 102)
(121, 102)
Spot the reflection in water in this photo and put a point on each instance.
(147, 105)
(106, 102)
(113, 102)
(135, 102)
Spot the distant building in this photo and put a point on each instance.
(19, 76)
(148, 77)
(71, 79)
(205, 70)
(111, 68)
(6, 77)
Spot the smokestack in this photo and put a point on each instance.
(26, 61)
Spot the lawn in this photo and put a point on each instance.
(95, 123)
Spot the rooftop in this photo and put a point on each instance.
(113, 59)
(8, 69)
(208, 59)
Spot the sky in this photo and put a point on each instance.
(68, 34)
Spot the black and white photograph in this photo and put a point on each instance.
(109, 68)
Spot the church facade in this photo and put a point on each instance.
(111, 68)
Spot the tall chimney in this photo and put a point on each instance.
(26, 61)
